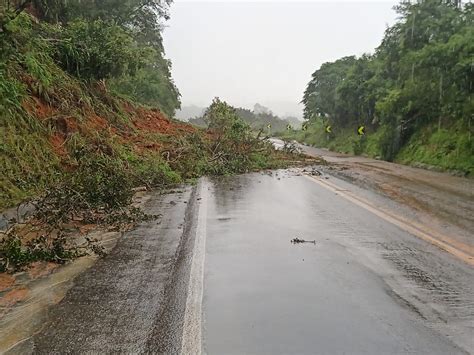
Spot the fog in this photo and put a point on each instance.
(265, 51)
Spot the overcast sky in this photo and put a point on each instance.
(265, 51)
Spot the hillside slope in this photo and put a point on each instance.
(61, 125)
(52, 135)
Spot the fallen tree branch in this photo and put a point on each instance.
(298, 241)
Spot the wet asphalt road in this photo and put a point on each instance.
(440, 200)
(116, 306)
(353, 292)
(219, 275)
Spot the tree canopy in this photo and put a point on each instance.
(114, 40)
(422, 73)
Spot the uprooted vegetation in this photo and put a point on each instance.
(97, 168)
(76, 149)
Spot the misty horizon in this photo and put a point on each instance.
(241, 52)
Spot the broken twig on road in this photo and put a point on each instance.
(298, 241)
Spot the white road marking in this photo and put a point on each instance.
(192, 328)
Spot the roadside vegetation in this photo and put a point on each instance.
(260, 118)
(414, 95)
(85, 100)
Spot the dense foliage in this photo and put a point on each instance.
(62, 64)
(73, 147)
(234, 147)
(420, 79)
(266, 120)
(118, 42)
(259, 119)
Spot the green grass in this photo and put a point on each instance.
(446, 149)
(49, 129)
(340, 140)
(27, 162)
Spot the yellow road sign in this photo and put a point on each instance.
(269, 126)
(304, 127)
(361, 130)
(288, 127)
(328, 129)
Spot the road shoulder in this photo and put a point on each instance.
(113, 303)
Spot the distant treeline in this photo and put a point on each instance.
(420, 76)
(261, 118)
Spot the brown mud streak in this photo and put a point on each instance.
(439, 204)
(446, 198)
(442, 181)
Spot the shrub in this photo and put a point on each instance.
(99, 50)
(14, 254)
(11, 93)
(154, 172)
(389, 142)
(151, 85)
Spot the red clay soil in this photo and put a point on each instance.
(65, 126)
(144, 120)
(41, 268)
(57, 141)
(128, 107)
(96, 122)
(156, 121)
(141, 146)
(37, 108)
(6, 281)
(12, 297)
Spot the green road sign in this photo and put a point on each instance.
(328, 129)
(361, 130)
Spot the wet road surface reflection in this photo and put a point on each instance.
(265, 295)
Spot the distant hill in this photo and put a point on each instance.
(259, 109)
(260, 118)
(188, 112)
(197, 121)
(294, 121)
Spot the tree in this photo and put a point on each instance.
(421, 74)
